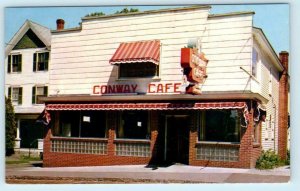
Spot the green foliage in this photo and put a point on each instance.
(268, 160)
(95, 14)
(125, 10)
(22, 159)
(10, 127)
(287, 162)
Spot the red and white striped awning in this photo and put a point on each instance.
(141, 51)
(148, 106)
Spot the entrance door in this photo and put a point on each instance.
(176, 139)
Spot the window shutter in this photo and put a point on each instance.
(20, 96)
(9, 64)
(45, 91)
(20, 63)
(9, 93)
(33, 95)
(46, 60)
(34, 62)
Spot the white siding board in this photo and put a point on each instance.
(89, 51)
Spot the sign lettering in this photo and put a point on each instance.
(152, 88)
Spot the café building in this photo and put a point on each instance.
(163, 87)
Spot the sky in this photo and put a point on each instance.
(272, 18)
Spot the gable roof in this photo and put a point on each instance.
(43, 33)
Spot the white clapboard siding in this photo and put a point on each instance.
(82, 57)
(269, 128)
(26, 79)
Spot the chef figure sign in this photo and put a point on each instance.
(194, 69)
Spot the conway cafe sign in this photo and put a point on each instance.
(194, 72)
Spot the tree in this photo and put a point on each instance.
(10, 127)
(95, 14)
(125, 10)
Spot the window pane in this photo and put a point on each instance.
(93, 124)
(220, 125)
(40, 91)
(16, 63)
(83, 124)
(15, 94)
(134, 125)
(42, 61)
(254, 62)
(146, 69)
(69, 123)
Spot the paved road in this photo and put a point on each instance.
(141, 173)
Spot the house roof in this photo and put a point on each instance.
(231, 14)
(43, 33)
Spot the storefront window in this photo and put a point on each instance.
(138, 70)
(219, 125)
(82, 124)
(134, 125)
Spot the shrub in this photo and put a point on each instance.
(287, 162)
(10, 127)
(268, 160)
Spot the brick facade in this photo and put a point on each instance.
(283, 106)
(248, 153)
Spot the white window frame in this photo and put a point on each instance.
(254, 63)
(36, 61)
(10, 67)
(11, 96)
(270, 82)
(36, 95)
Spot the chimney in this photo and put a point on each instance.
(283, 106)
(60, 24)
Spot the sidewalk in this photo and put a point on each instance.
(180, 173)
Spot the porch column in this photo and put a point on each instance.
(18, 139)
(154, 133)
(112, 117)
(193, 137)
(247, 143)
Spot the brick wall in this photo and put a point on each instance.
(247, 152)
(56, 159)
(283, 107)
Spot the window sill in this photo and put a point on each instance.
(139, 78)
(79, 139)
(237, 144)
(132, 141)
(41, 71)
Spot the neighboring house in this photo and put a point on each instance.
(27, 58)
(165, 86)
